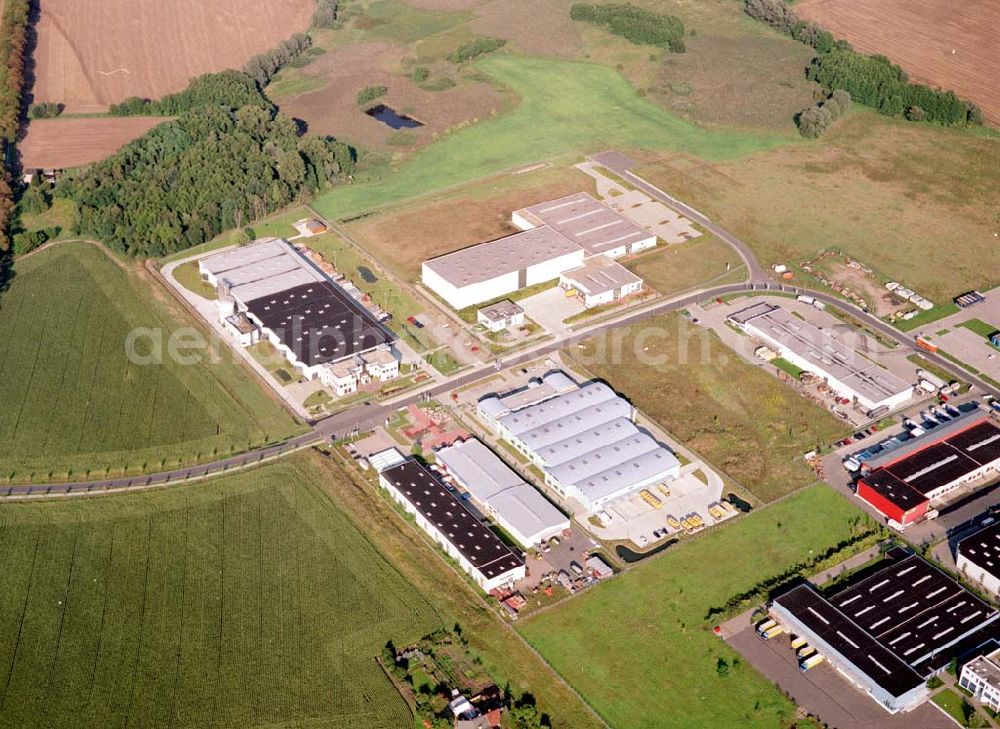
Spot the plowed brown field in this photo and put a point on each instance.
(64, 143)
(96, 53)
(952, 45)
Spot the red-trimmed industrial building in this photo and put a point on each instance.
(904, 483)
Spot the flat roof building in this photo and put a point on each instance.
(846, 371)
(978, 557)
(490, 270)
(310, 319)
(501, 315)
(586, 444)
(594, 226)
(903, 483)
(981, 678)
(555, 236)
(516, 505)
(601, 281)
(892, 630)
(437, 511)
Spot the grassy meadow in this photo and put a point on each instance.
(564, 108)
(73, 404)
(638, 646)
(248, 600)
(743, 420)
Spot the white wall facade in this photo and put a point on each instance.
(460, 298)
(549, 270)
(976, 573)
(984, 691)
(643, 245)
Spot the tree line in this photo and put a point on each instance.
(474, 49)
(326, 14)
(13, 46)
(189, 179)
(871, 80)
(638, 25)
(815, 120)
(230, 88)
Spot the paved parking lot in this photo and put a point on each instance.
(550, 308)
(823, 691)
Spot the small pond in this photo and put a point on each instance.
(389, 117)
(367, 275)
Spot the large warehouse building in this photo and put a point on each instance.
(516, 505)
(978, 557)
(903, 483)
(441, 514)
(585, 442)
(556, 238)
(269, 288)
(891, 631)
(847, 372)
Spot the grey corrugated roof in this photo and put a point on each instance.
(275, 284)
(587, 441)
(478, 468)
(576, 422)
(559, 381)
(587, 221)
(556, 408)
(623, 477)
(487, 261)
(259, 250)
(600, 275)
(491, 406)
(601, 459)
(518, 505)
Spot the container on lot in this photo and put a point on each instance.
(770, 633)
(766, 625)
(806, 299)
(813, 660)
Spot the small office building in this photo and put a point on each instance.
(601, 281)
(501, 315)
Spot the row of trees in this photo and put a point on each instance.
(474, 49)
(191, 178)
(871, 80)
(638, 25)
(876, 82)
(815, 120)
(232, 88)
(45, 110)
(13, 47)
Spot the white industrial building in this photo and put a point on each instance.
(490, 270)
(556, 237)
(440, 513)
(514, 504)
(589, 223)
(847, 372)
(981, 678)
(267, 290)
(601, 281)
(978, 558)
(585, 442)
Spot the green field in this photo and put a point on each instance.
(72, 403)
(739, 417)
(564, 107)
(638, 647)
(243, 601)
(696, 263)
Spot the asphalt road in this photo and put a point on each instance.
(369, 415)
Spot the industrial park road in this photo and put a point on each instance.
(370, 415)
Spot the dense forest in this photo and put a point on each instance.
(13, 45)
(871, 80)
(638, 25)
(189, 179)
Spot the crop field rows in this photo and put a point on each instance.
(72, 396)
(249, 601)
